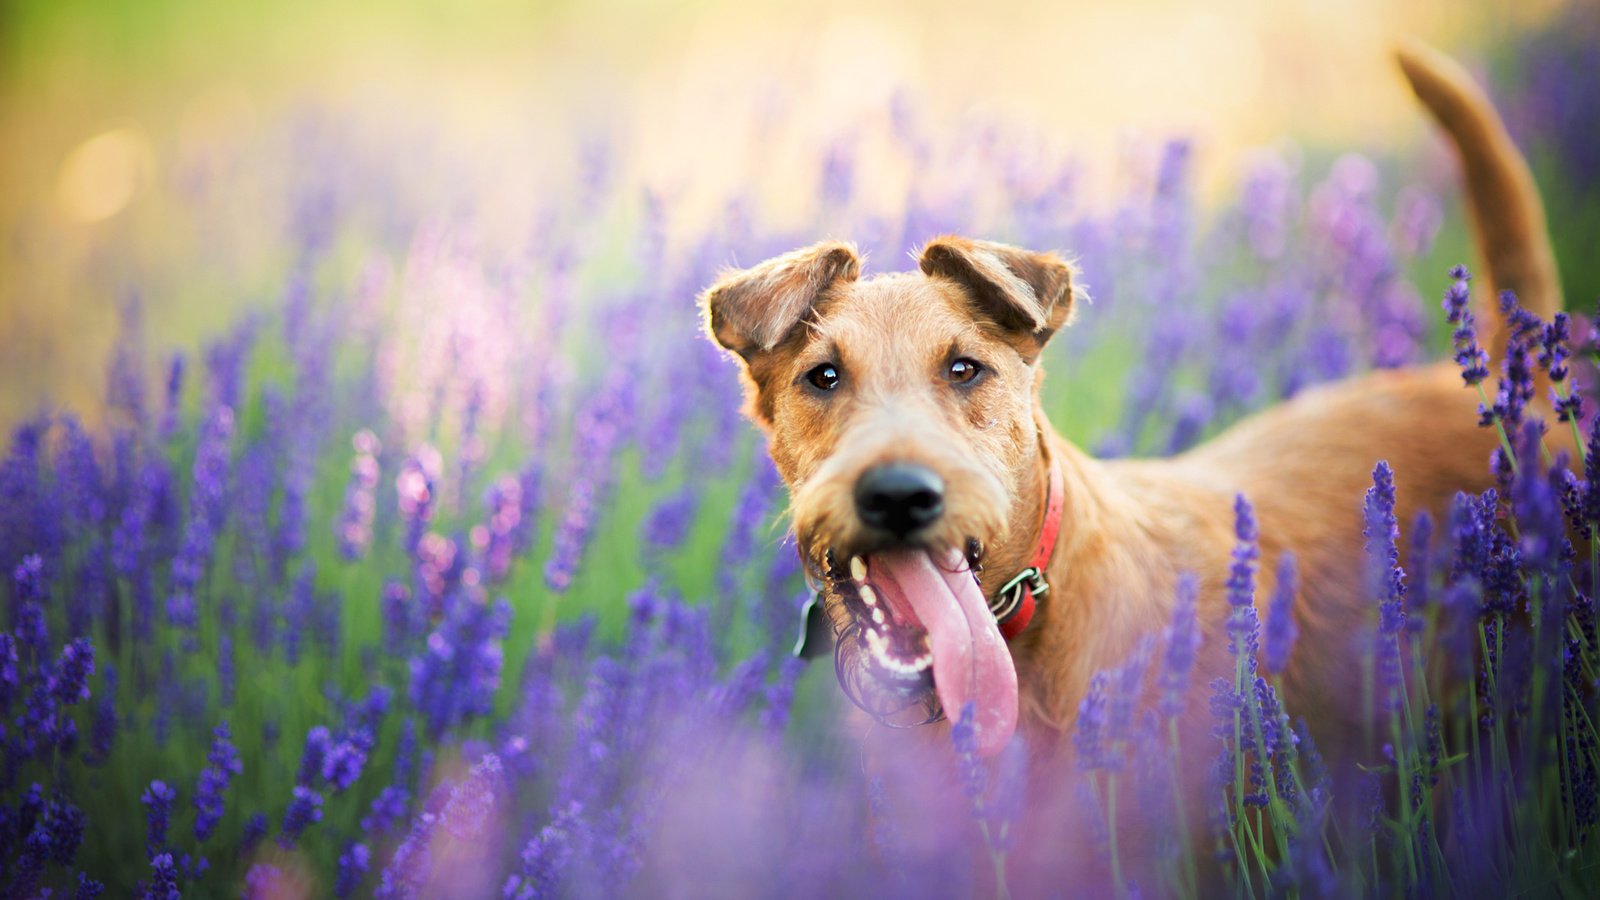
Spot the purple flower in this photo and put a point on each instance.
(1183, 643)
(214, 779)
(387, 808)
(264, 881)
(1472, 359)
(305, 808)
(353, 864)
(1382, 531)
(455, 676)
(547, 857)
(206, 513)
(33, 635)
(157, 802)
(318, 742)
(342, 766)
(1516, 379)
(500, 533)
(399, 617)
(255, 828)
(600, 427)
(1281, 630)
(408, 868)
(227, 676)
(1554, 347)
(1385, 578)
(88, 888)
(414, 487)
(1090, 737)
(1589, 502)
(299, 612)
(973, 774)
(472, 803)
(163, 884)
(354, 528)
(1011, 782)
(10, 677)
(171, 410)
(69, 680)
(1243, 626)
(49, 831)
(1419, 587)
(669, 523)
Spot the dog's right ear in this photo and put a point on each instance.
(752, 310)
(1025, 292)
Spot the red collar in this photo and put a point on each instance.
(1014, 604)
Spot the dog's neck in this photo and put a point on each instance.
(1071, 637)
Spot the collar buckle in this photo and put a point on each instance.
(1012, 594)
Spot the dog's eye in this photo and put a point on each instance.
(963, 371)
(824, 377)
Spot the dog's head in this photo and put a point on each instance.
(901, 411)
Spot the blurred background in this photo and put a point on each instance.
(149, 147)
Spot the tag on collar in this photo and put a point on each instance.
(816, 633)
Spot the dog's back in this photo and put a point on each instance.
(1306, 464)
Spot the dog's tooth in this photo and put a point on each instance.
(877, 615)
(858, 568)
(868, 595)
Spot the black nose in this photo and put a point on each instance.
(899, 498)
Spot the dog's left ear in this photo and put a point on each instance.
(753, 310)
(1024, 291)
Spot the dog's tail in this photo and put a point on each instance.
(1507, 214)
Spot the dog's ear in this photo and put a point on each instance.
(752, 310)
(1024, 291)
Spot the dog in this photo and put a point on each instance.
(902, 411)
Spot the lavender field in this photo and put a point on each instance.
(451, 569)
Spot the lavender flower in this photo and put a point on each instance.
(1090, 737)
(264, 881)
(974, 776)
(387, 808)
(157, 802)
(1516, 379)
(214, 779)
(318, 742)
(1385, 578)
(206, 511)
(255, 828)
(473, 802)
(1241, 584)
(1183, 644)
(1281, 630)
(505, 504)
(69, 680)
(163, 884)
(174, 396)
(305, 808)
(1472, 359)
(414, 487)
(353, 864)
(669, 523)
(411, 863)
(354, 529)
(546, 858)
(342, 765)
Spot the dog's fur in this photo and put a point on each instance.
(1131, 526)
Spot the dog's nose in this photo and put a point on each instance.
(899, 498)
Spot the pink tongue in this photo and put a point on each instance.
(970, 658)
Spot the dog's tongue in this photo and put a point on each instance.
(970, 658)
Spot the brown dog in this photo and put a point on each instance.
(903, 412)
